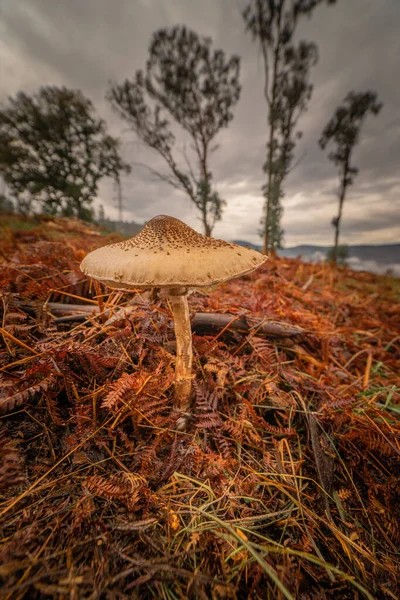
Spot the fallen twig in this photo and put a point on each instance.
(202, 323)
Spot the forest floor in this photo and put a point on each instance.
(286, 482)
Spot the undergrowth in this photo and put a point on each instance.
(285, 483)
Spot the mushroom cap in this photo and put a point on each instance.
(168, 253)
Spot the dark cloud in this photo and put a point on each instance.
(374, 220)
(87, 44)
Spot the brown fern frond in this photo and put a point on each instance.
(263, 349)
(377, 443)
(162, 379)
(234, 429)
(13, 317)
(10, 402)
(126, 440)
(206, 413)
(10, 462)
(69, 386)
(118, 390)
(37, 291)
(150, 463)
(238, 364)
(120, 366)
(108, 362)
(220, 370)
(253, 437)
(82, 511)
(208, 421)
(149, 332)
(261, 424)
(43, 317)
(132, 500)
(344, 494)
(338, 403)
(79, 357)
(17, 329)
(223, 445)
(151, 407)
(53, 410)
(173, 461)
(373, 441)
(117, 486)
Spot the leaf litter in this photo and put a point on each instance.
(285, 483)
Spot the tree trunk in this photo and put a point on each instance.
(206, 177)
(207, 228)
(269, 185)
(277, 50)
(339, 217)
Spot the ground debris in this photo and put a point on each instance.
(286, 482)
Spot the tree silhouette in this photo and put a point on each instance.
(187, 82)
(343, 130)
(287, 90)
(54, 151)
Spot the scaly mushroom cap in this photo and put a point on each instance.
(169, 253)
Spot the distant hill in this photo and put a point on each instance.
(248, 244)
(377, 258)
(128, 228)
(381, 253)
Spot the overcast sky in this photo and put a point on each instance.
(86, 43)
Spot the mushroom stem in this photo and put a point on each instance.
(184, 352)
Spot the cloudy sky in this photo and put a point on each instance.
(86, 43)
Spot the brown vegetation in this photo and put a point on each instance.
(286, 482)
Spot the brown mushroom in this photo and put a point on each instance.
(169, 255)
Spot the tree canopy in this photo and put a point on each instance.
(184, 83)
(54, 151)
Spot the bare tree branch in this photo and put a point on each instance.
(198, 90)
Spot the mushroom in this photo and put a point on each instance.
(171, 256)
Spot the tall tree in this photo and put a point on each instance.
(187, 83)
(343, 130)
(54, 151)
(287, 90)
